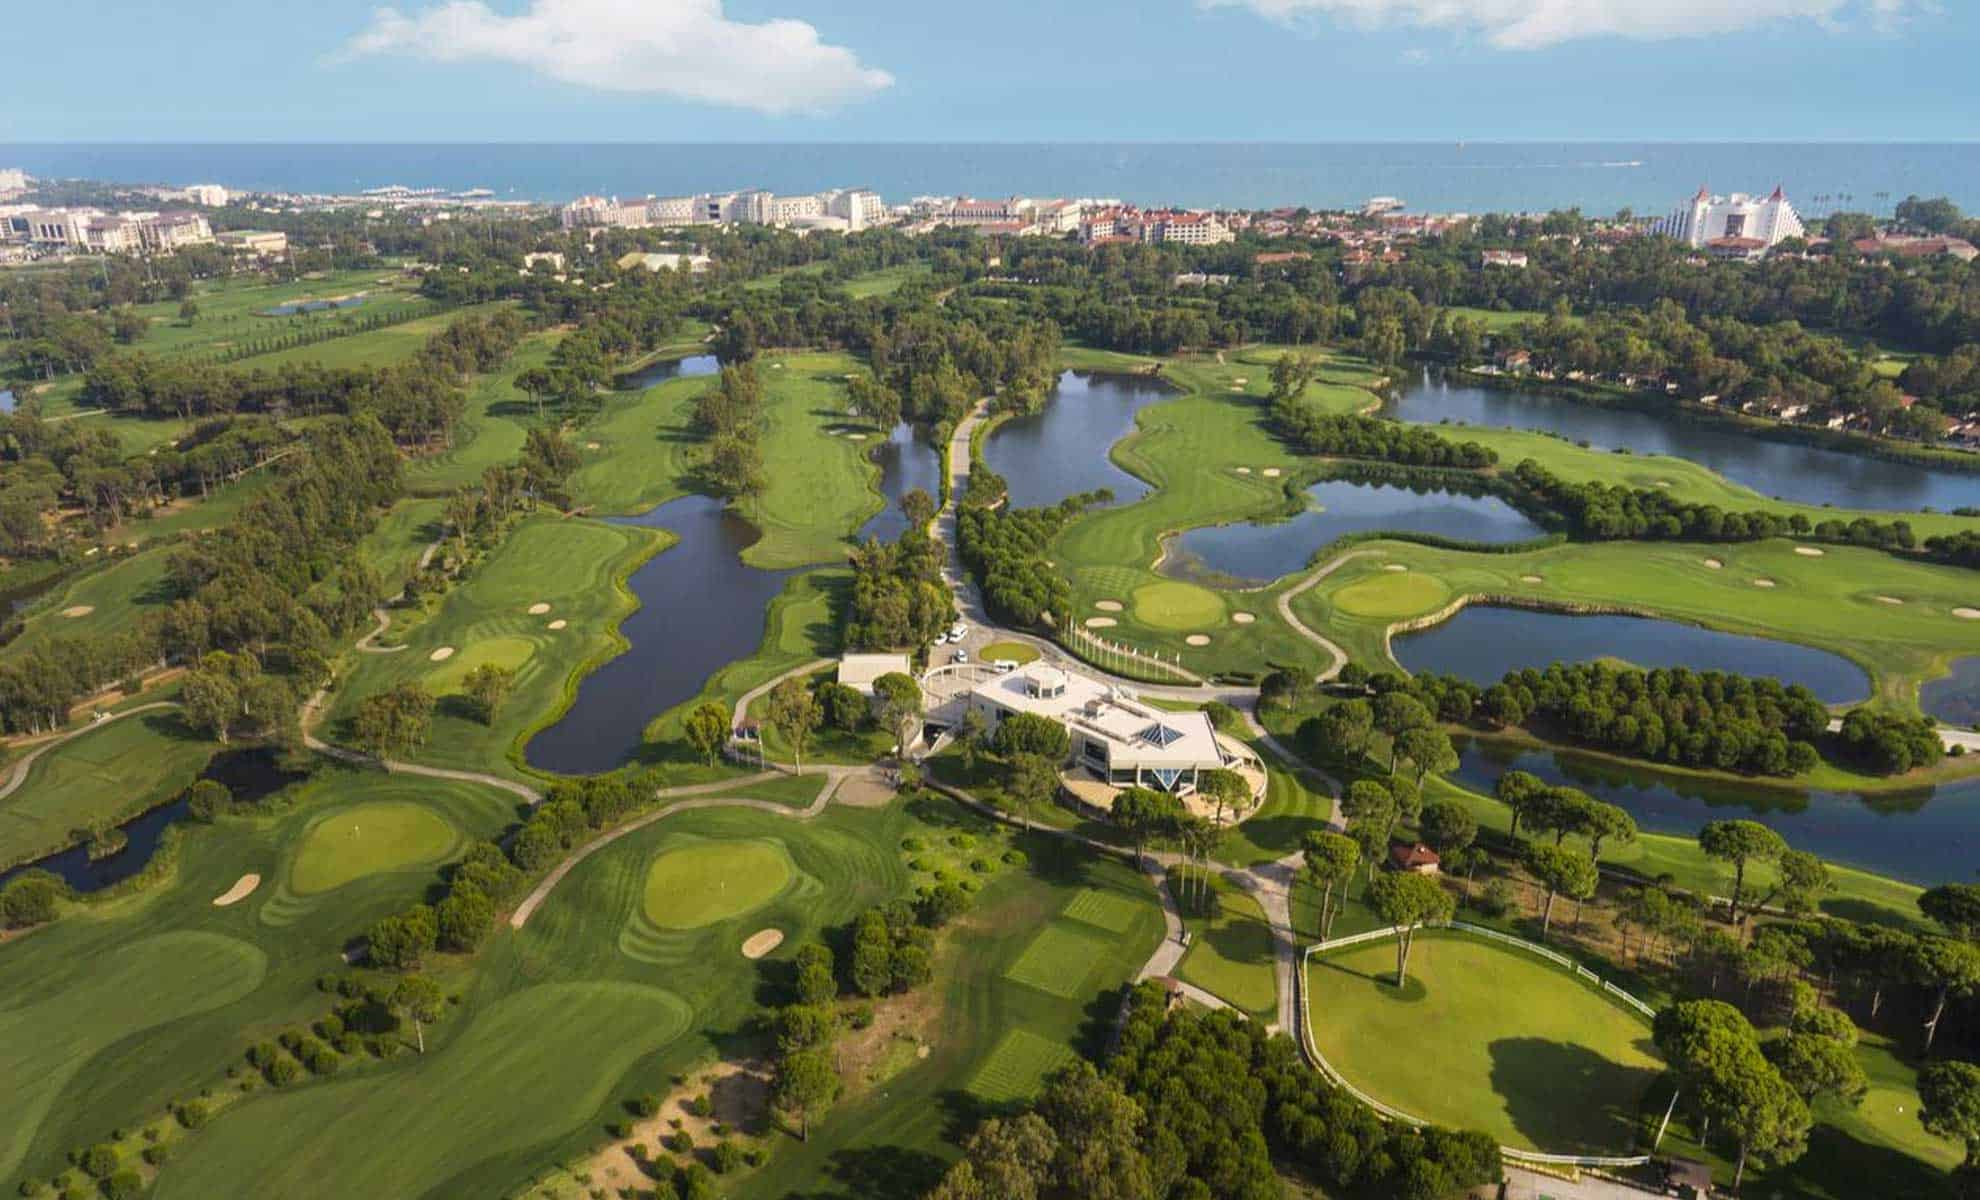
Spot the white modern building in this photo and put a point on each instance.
(1738, 225)
(94, 231)
(206, 195)
(1116, 738)
(13, 179)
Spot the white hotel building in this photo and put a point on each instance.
(1735, 226)
(1116, 738)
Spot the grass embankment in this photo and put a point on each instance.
(1484, 1037)
(1230, 953)
(99, 777)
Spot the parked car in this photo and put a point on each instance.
(958, 631)
(1005, 666)
(962, 656)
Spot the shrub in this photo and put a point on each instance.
(156, 1155)
(701, 1106)
(645, 1104)
(1498, 898)
(124, 1185)
(862, 1016)
(728, 1157)
(101, 1161)
(30, 1186)
(323, 1060)
(284, 1071)
(192, 1114)
(982, 866)
(914, 845)
(330, 1027)
(962, 841)
(679, 1142)
(619, 1129)
(261, 1054)
(1015, 858)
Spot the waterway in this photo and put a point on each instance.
(701, 608)
(1786, 470)
(1062, 450)
(1955, 697)
(1482, 643)
(672, 368)
(1926, 836)
(1262, 552)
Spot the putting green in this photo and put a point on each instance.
(1560, 1071)
(367, 839)
(1393, 594)
(509, 652)
(1174, 605)
(706, 882)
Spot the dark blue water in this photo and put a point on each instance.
(905, 464)
(310, 306)
(1479, 177)
(1482, 643)
(1789, 471)
(1928, 836)
(1264, 552)
(673, 368)
(1061, 450)
(1954, 698)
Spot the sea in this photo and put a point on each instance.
(1600, 178)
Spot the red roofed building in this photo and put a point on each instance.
(1414, 857)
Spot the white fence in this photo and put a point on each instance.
(1312, 1049)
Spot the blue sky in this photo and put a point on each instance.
(858, 70)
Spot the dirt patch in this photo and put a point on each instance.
(1531, 579)
(538, 609)
(559, 623)
(1889, 600)
(441, 655)
(762, 943)
(1715, 564)
(78, 610)
(867, 790)
(242, 889)
(1243, 618)
(1967, 614)
(739, 1095)
(1271, 472)
(1197, 639)
(1763, 583)
(1808, 552)
(1108, 605)
(1101, 622)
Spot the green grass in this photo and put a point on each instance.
(492, 429)
(1016, 1067)
(100, 777)
(1110, 911)
(1494, 321)
(1057, 960)
(116, 594)
(1230, 953)
(707, 882)
(821, 486)
(1171, 604)
(1013, 652)
(1484, 1037)
(230, 311)
(387, 346)
(369, 838)
(1288, 813)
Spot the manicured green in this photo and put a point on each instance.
(1017, 1067)
(1230, 952)
(1110, 911)
(99, 777)
(705, 882)
(1484, 1037)
(386, 346)
(1393, 594)
(368, 839)
(114, 595)
(821, 485)
(1013, 652)
(1174, 605)
(1057, 960)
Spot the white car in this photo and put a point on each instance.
(958, 631)
(962, 656)
(1005, 666)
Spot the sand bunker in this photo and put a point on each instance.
(762, 943)
(1271, 472)
(1889, 600)
(1197, 639)
(1764, 583)
(855, 437)
(1241, 380)
(1715, 564)
(1100, 622)
(243, 887)
(593, 446)
(1531, 579)
(1242, 470)
(1243, 618)
(538, 609)
(1236, 388)
(1967, 614)
(1808, 551)
(1394, 567)
(78, 610)
(1663, 483)
(559, 623)
(1107, 605)
(441, 655)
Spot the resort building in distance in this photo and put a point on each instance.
(1735, 226)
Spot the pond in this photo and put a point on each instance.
(1927, 836)
(673, 368)
(1483, 642)
(6, 400)
(1954, 698)
(251, 774)
(1263, 552)
(1787, 470)
(310, 306)
(1062, 449)
(701, 608)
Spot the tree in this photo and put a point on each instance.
(817, 984)
(1759, 1110)
(418, 999)
(1948, 967)
(1029, 733)
(1098, 1127)
(1225, 789)
(1563, 872)
(393, 722)
(1518, 790)
(794, 713)
(900, 705)
(1954, 907)
(401, 941)
(1330, 861)
(1560, 811)
(189, 311)
(209, 702)
(872, 954)
(1031, 781)
(1602, 822)
(1010, 1157)
(1448, 826)
(1429, 750)
(1739, 843)
(1143, 813)
(707, 729)
(1949, 1105)
(1818, 1066)
(1396, 712)
(806, 1085)
(1405, 900)
(488, 685)
(969, 736)
(207, 799)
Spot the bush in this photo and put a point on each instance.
(982, 866)
(914, 845)
(156, 1155)
(1498, 898)
(1015, 858)
(701, 1106)
(728, 1157)
(645, 1104)
(861, 1017)
(101, 1161)
(330, 1027)
(30, 899)
(284, 1071)
(679, 1142)
(192, 1114)
(261, 1054)
(962, 841)
(619, 1129)
(124, 1185)
(323, 1060)
(30, 1186)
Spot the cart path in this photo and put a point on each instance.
(1338, 656)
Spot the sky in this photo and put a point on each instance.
(1022, 70)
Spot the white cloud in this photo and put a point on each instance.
(687, 49)
(1530, 24)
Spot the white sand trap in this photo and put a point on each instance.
(1763, 583)
(855, 437)
(559, 623)
(1271, 472)
(1394, 567)
(1236, 388)
(1531, 579)
(1243, 470)
(1715, 564)
(1889, 600)
(1197, 639)
(1664, 483)
(78, 610)
(593, 446)
(441, 655)
(538, 609)
(1101, 622)
(1808, 551)
(243, 887)
(1967, 614)
(1107, 605)
(762, 943)
(1243, 618)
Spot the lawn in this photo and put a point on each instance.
(369, 838)
(102, 600)
(101, 777)
(1011, 652)
(1230, 953)
(383, 347)
(492, 429)
(821, 487)
(231, 311)
(1484, 1037)
(703, 883)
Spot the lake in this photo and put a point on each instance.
(673, 368)
(1927, 836)
(1265, 551)
(1483, 642)
(310, 306)
(1062, 450)
(1954, 698)
(1787, 470)
(701, 608)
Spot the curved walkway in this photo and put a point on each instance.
(759, 691)
(1285, 603)
(314, 704)
(367, 643)
(19, 772)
